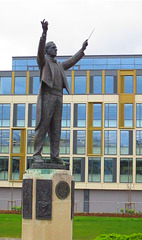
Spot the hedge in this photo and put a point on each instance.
(135, 236)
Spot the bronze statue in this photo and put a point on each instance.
(50, 97)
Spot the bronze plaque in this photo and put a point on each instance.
(62, 190)
(44, 199)
(27, 198)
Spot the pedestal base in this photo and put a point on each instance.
(47, 204)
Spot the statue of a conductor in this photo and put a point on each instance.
(50, 97)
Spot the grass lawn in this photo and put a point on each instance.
(84, 228)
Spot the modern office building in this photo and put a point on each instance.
(101, 130)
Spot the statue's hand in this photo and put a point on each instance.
(84, 45)
(44, 25)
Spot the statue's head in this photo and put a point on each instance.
(51, 49)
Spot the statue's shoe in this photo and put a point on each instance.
(58, 160)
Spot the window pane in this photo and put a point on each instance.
(36, 85)
(126, 170)
(79, 169)
(139, 115)
(96, 142)
(109, 84)
(110, 142)
(97, 84)
(66, 114)
(15, 174)
(81, 118)
(128, 119)
(30, 141)
(80, 85)
(139, 142)
(5, 85)
(4, 115)
(124, 142)
(81, 142)
(19, 115)
(65, 142)
(139, 84)
(20, 85)
(138, 170)
(69, 83)
(94, 169)
(128, 84)
(3, 168)
(46, 146)
(4, 141)
(110, 115)
(110, 170)
(97, 115)
(16, 141)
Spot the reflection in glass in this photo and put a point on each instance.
(110, 142)
(65, 142)
(138, 170)
(139, 85)
(69, 83)
(81, 142)
(97, 84)
(109, 84)
(110, 170)
(20, 85)
(4, 115)
(139, 114)
(126, 170)
(79, 169)
(36, 85)
(66, 115)
(30, 141)
(80, 85)
(97, 115)
(94, 169)
(5, 85)
(111, 115)
(81, 115)
(128, 117)
(4, 141)
(124, 142)
(128, 84)
(139, 142)
(16, 140)
(97, 142)
(15, 174)
(3, 168)
(20, 115)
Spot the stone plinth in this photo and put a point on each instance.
(48, 200)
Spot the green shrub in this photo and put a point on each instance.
(122, 210)
(135, 236)
(15, 208)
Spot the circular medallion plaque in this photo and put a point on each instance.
(62, 190)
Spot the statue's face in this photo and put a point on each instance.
(52, 50)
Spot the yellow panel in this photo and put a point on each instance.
(72, 82)
(103, 81)
(121, 115)
(88, 81)
(13, 82)
(27, 85)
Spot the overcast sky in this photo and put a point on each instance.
(118, 27)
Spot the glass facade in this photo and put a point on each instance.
(94, 169)
(69, 83)
(79, 169)
(126, 142)
(66, 115)
(4, 115)
(97, 142)
(128, 84)
(4, 168)
(5, 85)
(19, 115)
(32, 115)
(20, 85)
(128, 115)
(139, 142)
(110, 142)
(79, 142)
(97, 86)
(79, 115)
(110, 115)
(139, 85)
(126, 170)
(139, 115)
(65, 142)
(110, 166)
(80, 85)
(139, 170)
(4, 141)
(97, 115)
